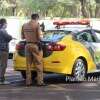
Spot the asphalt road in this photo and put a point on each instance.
(57, 88)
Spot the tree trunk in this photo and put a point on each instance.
(84, 9)
(14, 11)
(97, 10)
(75, 11)
(91, 11)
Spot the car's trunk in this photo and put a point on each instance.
(50, 39)
(44, 44)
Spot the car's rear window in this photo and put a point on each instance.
(55, 35)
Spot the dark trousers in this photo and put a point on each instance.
(3, 64)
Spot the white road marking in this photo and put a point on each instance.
(57, 87)
(90, 84)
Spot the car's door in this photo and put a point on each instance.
(89, 38)
(96, 45)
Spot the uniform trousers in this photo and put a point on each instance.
(34, 57)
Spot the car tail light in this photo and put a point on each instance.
(56, 47)
(20, 47)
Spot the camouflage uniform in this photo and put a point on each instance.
(33, 55)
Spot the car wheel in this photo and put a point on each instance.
(79, 70)
(34, 74)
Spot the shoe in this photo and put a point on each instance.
(4, 83)
(1, 83)
(43, 84)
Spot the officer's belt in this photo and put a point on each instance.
(32, 42)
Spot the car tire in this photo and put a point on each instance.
(79, 70)
(34, 74)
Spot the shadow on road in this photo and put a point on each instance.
(49, 79)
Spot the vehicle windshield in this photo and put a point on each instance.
(55, 35)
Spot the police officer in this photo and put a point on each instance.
(32, 33)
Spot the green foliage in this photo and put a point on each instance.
(51, 8)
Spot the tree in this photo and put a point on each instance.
(84, 8)
(52, 8)
(97, 10)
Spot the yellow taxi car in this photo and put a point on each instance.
(70, 51)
